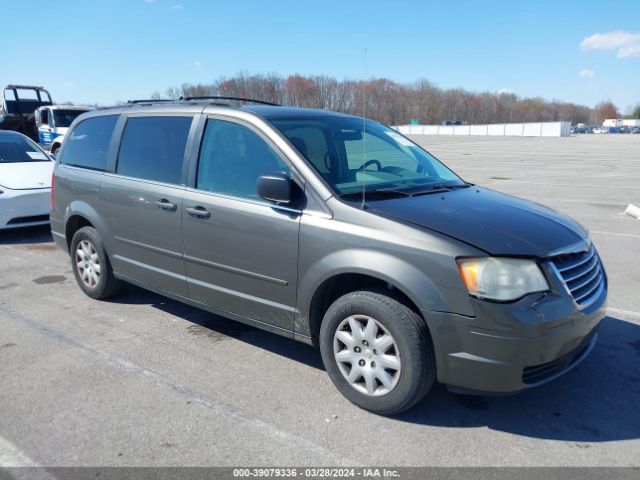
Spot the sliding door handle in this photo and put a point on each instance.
(166, 205)
(199, 212)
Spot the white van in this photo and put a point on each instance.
(53, 122)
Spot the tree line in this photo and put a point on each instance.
(396, 103)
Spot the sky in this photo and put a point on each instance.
(104, 51)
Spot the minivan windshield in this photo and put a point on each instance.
(353, 155)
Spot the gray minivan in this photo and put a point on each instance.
(332, 230)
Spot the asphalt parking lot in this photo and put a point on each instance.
(142, 380)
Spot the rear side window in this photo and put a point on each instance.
(88, 144)
(152, 148)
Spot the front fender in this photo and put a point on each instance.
(57, 141)
(410, 280)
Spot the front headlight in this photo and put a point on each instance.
(501, 279)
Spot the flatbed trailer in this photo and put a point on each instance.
(18, 106)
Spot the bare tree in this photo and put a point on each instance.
(394, 103)
(173, 93)
(604, 110)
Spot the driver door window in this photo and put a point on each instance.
(232, 158)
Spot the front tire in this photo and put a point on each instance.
(91, 265)
(377, 351)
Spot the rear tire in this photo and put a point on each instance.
(91, 265)
(377, 351)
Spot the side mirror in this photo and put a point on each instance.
(275, 187)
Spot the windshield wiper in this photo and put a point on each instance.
(439, 188)
(377, 194)
(394, 193)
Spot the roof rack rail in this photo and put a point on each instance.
(152, 101)
(240, 99)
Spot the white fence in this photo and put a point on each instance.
(539, 129)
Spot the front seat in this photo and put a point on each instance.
(300, 145)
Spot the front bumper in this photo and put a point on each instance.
(24, 208)
(510, 347)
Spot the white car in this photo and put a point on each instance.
(25, 182)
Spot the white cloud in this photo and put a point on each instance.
(626, 43)
(177, 6)
(149, 1)
(505, 91)
(69, 84)
(197, 63)
(587, 73)
(629, 51)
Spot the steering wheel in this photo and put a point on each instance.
(371, 162)
(327, 161)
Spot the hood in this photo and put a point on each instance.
(494, 222)
(26, 175)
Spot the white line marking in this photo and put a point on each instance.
(12, 456)
(633, 211)
(600, 232)
(626, 314)
(19, 465)
(268, 430)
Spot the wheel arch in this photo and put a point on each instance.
(80, 214)
(343, 272)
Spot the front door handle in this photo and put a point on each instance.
(199, 212)
(166, 205)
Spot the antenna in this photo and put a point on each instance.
(364, 131)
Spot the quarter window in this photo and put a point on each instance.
(232, 158)
(88, 144)
(152, 148)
